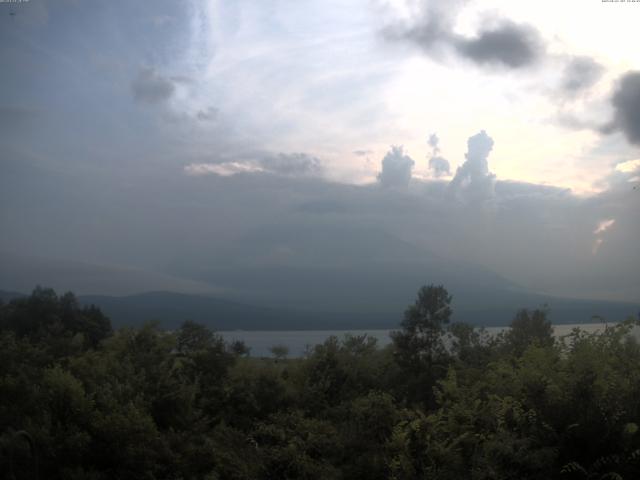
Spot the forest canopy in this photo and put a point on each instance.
(80, 400)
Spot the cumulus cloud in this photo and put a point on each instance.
(283, 164)
(503, 43)
(626, 104)
(472, 180)
(438, 165)
(151, 87)
(396, 168)
(580, 74)
(434, 143)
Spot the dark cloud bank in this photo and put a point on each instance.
(284, 237)
(626, 103)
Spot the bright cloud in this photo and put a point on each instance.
(604, 225)
(628, 166)
(225, 169)
(601, 228)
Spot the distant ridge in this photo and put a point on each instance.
(171, 309)
(8, 296)
(309, 277)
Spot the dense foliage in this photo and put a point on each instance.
(444, 401)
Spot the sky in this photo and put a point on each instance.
(165, 136)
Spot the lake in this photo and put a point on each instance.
(298, 340)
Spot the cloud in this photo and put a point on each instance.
(573, 121)
(580, 74)
(430, 32)
(396, 168)
(604, 225)
(504, 44)
(151, 87)
(630, 166)
(434, 143)
(292, 164)
(600, 229)
(438, 165)
(626, 104)
(283, 164)
(362, 153)
(224, 169)
(207, 115)
(472, 180)
(539, 237)
(509, 45)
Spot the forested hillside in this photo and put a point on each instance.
(80, 400)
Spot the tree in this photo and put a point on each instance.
(44, 316)
(419, 346)
(206, 360)
(469, 344)
(280, 352)
(420, 341)
(194, 337)
(529, 328)
(239, 348)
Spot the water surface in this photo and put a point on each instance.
(298, 341)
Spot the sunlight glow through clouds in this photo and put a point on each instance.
(322, 80)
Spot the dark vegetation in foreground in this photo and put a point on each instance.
(444, 401)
